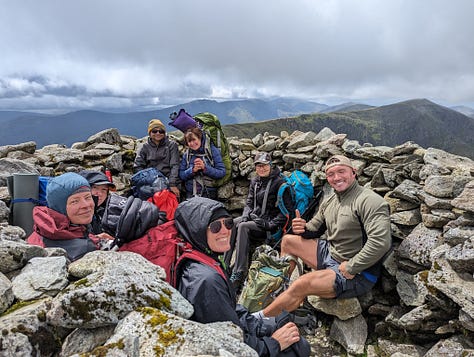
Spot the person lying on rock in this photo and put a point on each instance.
(347, 263)
(65, 223)
(207, 225)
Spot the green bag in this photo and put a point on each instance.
(211, 125)
(267, 278)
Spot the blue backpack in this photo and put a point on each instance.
(301, 191)
(302, 194)
(148, 181)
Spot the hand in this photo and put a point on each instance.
(175, 190)
(105, 236)
(262, 224)
(344, 272)
(298, 224)
(198, 165)
(287, 335)
(244, 219)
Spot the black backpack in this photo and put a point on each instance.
(129, 218)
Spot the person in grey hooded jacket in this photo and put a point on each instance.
(207, 225)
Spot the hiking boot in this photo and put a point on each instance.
(237, 279)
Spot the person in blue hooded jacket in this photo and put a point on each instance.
(207, 225)
(201, 165)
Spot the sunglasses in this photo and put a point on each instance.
(216, 226)
(161, 131)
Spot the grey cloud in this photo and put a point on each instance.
(154, 51)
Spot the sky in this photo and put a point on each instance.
(146, 54)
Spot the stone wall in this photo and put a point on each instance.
(424, 299)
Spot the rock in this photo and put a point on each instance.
(162, 333)
(41, 277)
(351, 334)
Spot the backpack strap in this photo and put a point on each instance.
(265, 197)
(198, 256)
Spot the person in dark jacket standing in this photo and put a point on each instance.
(160, 152)
(261, 216)
(201, 165)
(100, 188)
(207, 225)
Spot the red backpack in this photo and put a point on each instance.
(162, 246)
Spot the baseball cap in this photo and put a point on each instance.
(96, 178)
(338, 160)
(262, 158)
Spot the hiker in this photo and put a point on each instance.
(207, 225)
(201, 165)
(65, 223)
(100, 188)
(346, 264)
(261, 216)
(160, 152)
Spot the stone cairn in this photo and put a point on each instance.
(117, 304)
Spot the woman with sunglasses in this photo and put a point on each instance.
(160, 152)
(207, 226)
(201, 165)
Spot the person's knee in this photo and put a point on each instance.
(288, 245)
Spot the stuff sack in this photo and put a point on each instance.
(266, 279)
(162, 246)
(43, 184)
(148, 181)
(211, 126)
(182, 120)
(166, 201)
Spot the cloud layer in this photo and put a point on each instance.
(118, 54)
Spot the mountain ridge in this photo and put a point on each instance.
(419, 120)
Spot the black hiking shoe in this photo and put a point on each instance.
(237, 279)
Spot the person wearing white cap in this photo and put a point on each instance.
(347, 262)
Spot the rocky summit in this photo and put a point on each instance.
(118, 304)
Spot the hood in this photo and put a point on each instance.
(192, 218)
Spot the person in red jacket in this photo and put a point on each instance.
(65, 223)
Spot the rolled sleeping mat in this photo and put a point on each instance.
(25, 193)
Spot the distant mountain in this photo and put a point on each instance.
(465, 110)
(346, 107)
(419, 120)
(76, 126)
(424, 122)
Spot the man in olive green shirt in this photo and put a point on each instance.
(356, 221)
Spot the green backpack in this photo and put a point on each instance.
(267, 278)
(211, 125)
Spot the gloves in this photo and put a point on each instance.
(262, 224)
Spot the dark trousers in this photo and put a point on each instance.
(244, 235)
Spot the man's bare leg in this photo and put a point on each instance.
(306, 249)
(319, 282)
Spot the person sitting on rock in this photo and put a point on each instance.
(201, 165)
(206, 225)
(159, 152)
(100, 188)
(261, 216)
(65, 223)
(347, 262)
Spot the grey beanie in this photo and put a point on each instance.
(61, 187)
